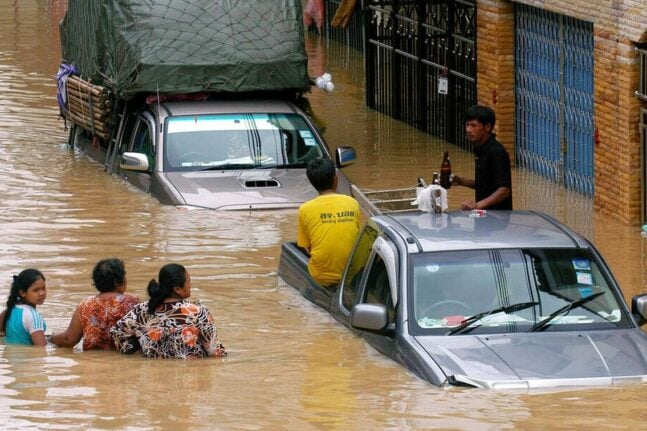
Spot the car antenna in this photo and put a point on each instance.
(159, 108)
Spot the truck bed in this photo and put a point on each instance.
(293, 269)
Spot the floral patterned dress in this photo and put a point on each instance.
(99, 314)
(182, 329)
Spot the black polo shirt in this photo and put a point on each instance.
(492, 170)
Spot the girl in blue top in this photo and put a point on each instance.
(21, 323)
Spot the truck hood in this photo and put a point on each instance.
(540, 360)
(243, 189)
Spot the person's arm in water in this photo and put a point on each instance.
(35, 327)
(38, 338)
(72, 334)
(209, 336)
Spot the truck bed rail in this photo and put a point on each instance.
(376, 202)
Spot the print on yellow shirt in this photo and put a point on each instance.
(328, 227)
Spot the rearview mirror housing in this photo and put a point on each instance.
(134, 162)
(639, 308)
(372, 318)
(345, 156)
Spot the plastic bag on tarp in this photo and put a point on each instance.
(431, 198)
(180, 46)
(64, 71)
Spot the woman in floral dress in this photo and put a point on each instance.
(169, 325)
(96, 314)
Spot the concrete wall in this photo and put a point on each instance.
(618, 25)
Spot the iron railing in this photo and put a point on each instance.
(420, 63)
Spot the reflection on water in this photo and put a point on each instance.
(291, 366)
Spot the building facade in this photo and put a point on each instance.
(564, 77)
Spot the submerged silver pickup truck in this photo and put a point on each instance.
(189, 105)
(508, 299)
(217, 154)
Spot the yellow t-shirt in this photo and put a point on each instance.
(328, 227)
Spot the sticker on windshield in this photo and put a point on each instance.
(584, 278)
(432, 267)
(581, 264)
(308, 138)
(585, 292)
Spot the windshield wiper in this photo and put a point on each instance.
(300, 165)
(565, 309)
(479, 316)
(229, 166)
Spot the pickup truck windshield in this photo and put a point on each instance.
(238, 141)
(478, 290)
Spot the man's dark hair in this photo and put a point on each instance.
(321, 173)
(482, 114)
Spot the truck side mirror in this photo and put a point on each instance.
(639, 308)
(134, 162)
(345, 156)
(372, 318)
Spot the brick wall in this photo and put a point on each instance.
(618, 26)
(495, 65)
(617, 116)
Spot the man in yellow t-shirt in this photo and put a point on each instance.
(328, 224)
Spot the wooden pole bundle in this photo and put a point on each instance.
(89, 106)
(77, 83)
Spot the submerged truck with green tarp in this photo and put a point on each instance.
(182, 46)
(200, 103)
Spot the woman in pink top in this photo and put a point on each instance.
(96, 314)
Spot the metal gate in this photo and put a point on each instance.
(642, 95)
(421, 63)
(554, 97)
(643, 146)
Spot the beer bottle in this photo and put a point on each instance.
(445, 171)
(436, 203)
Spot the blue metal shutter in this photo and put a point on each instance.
(554, 97)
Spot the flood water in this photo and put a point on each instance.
(290, 365)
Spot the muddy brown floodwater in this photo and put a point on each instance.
(290, 366)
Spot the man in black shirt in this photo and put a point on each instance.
(492, 180)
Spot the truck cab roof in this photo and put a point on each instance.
(251, 106)
(462, 230)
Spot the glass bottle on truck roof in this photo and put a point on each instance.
(445, 171)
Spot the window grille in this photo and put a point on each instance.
(642, 84)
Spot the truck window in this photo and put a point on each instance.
(238, 140)
(447, 286)
(378, 290)
(143, 143)
(358, 260)
(127, 133)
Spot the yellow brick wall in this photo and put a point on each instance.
(617, 114)
(495, 65)
(618, 25)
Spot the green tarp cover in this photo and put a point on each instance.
(186, 46)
